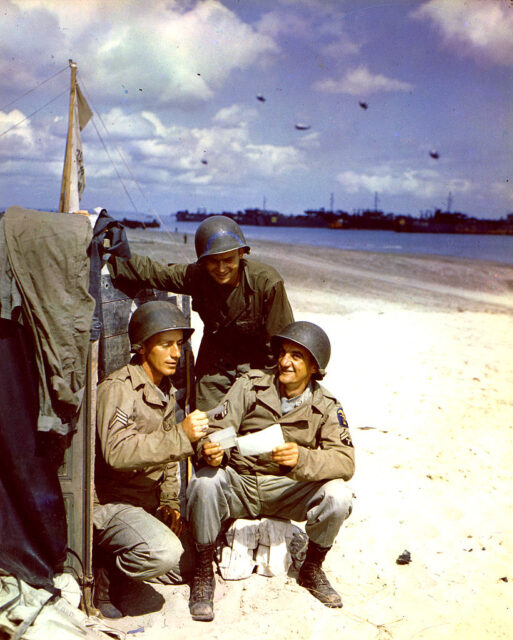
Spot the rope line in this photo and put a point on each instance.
(114, 166)
(102, 141)
(127, 167)
(5, 106)
(33, 113)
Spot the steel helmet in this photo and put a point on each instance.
(311, 337)
(153, 317)
(218, 234)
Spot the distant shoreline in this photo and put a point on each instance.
(367, 219)
(156, 235)
(340, 281)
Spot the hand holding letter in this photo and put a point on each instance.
(286, 454)
(212, 453)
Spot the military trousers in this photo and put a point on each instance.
(215, 494)
(142, 546)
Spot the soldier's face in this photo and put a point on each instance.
(295, 367)
(160, 354)
(224, 267)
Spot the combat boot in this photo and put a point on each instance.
(312, 577)
(102, 592)
(201, 601)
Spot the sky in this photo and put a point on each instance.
(177, 124)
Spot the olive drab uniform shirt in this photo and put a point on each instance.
(238, 322)
(318, 426)
(139, 440)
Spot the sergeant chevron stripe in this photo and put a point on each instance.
(120, 417)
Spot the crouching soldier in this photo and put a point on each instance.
(302, 479)
(137, 521)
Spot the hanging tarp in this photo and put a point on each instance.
(32, 515)
(47, 253)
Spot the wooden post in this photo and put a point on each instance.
(65, 185)
(89, 452)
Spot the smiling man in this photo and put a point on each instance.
(137, 521)
(302, 479)
(241, 302)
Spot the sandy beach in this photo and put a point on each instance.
(422, 362)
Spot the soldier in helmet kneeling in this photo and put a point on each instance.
(240, 301)
(137, 521)
(302, 479)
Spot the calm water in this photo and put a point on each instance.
(477, 247)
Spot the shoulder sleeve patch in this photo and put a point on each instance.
(345, 436)
(341, 416)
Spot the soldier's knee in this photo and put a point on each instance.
(152, 556)
(207, 480)
(340, 498)
(155, 561)
(165, 559)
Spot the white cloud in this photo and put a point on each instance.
(361, 82)
(321, 26)
(193, 178)
(179, 55)
(309, 141)
(277, 24)
(122, 126)
(65, 12)
(235, 116)
(475, 27)
(175, 52)
(19, 135)
(270, 160)
(31, 149)
(228, 152)
(421, 183)
(340, 48)
(159, 128)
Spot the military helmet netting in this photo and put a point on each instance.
(311, 337)
(154, 317)
(218, 234)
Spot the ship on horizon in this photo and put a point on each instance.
(370, 219)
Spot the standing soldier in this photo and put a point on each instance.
(241, 302)
(137, 521)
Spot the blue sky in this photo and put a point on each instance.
(174, 83)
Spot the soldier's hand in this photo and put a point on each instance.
(286, 454)
(212, 453)
(195, 425)
(172, 518)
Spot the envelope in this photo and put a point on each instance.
(261, 441)
(225, 437)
